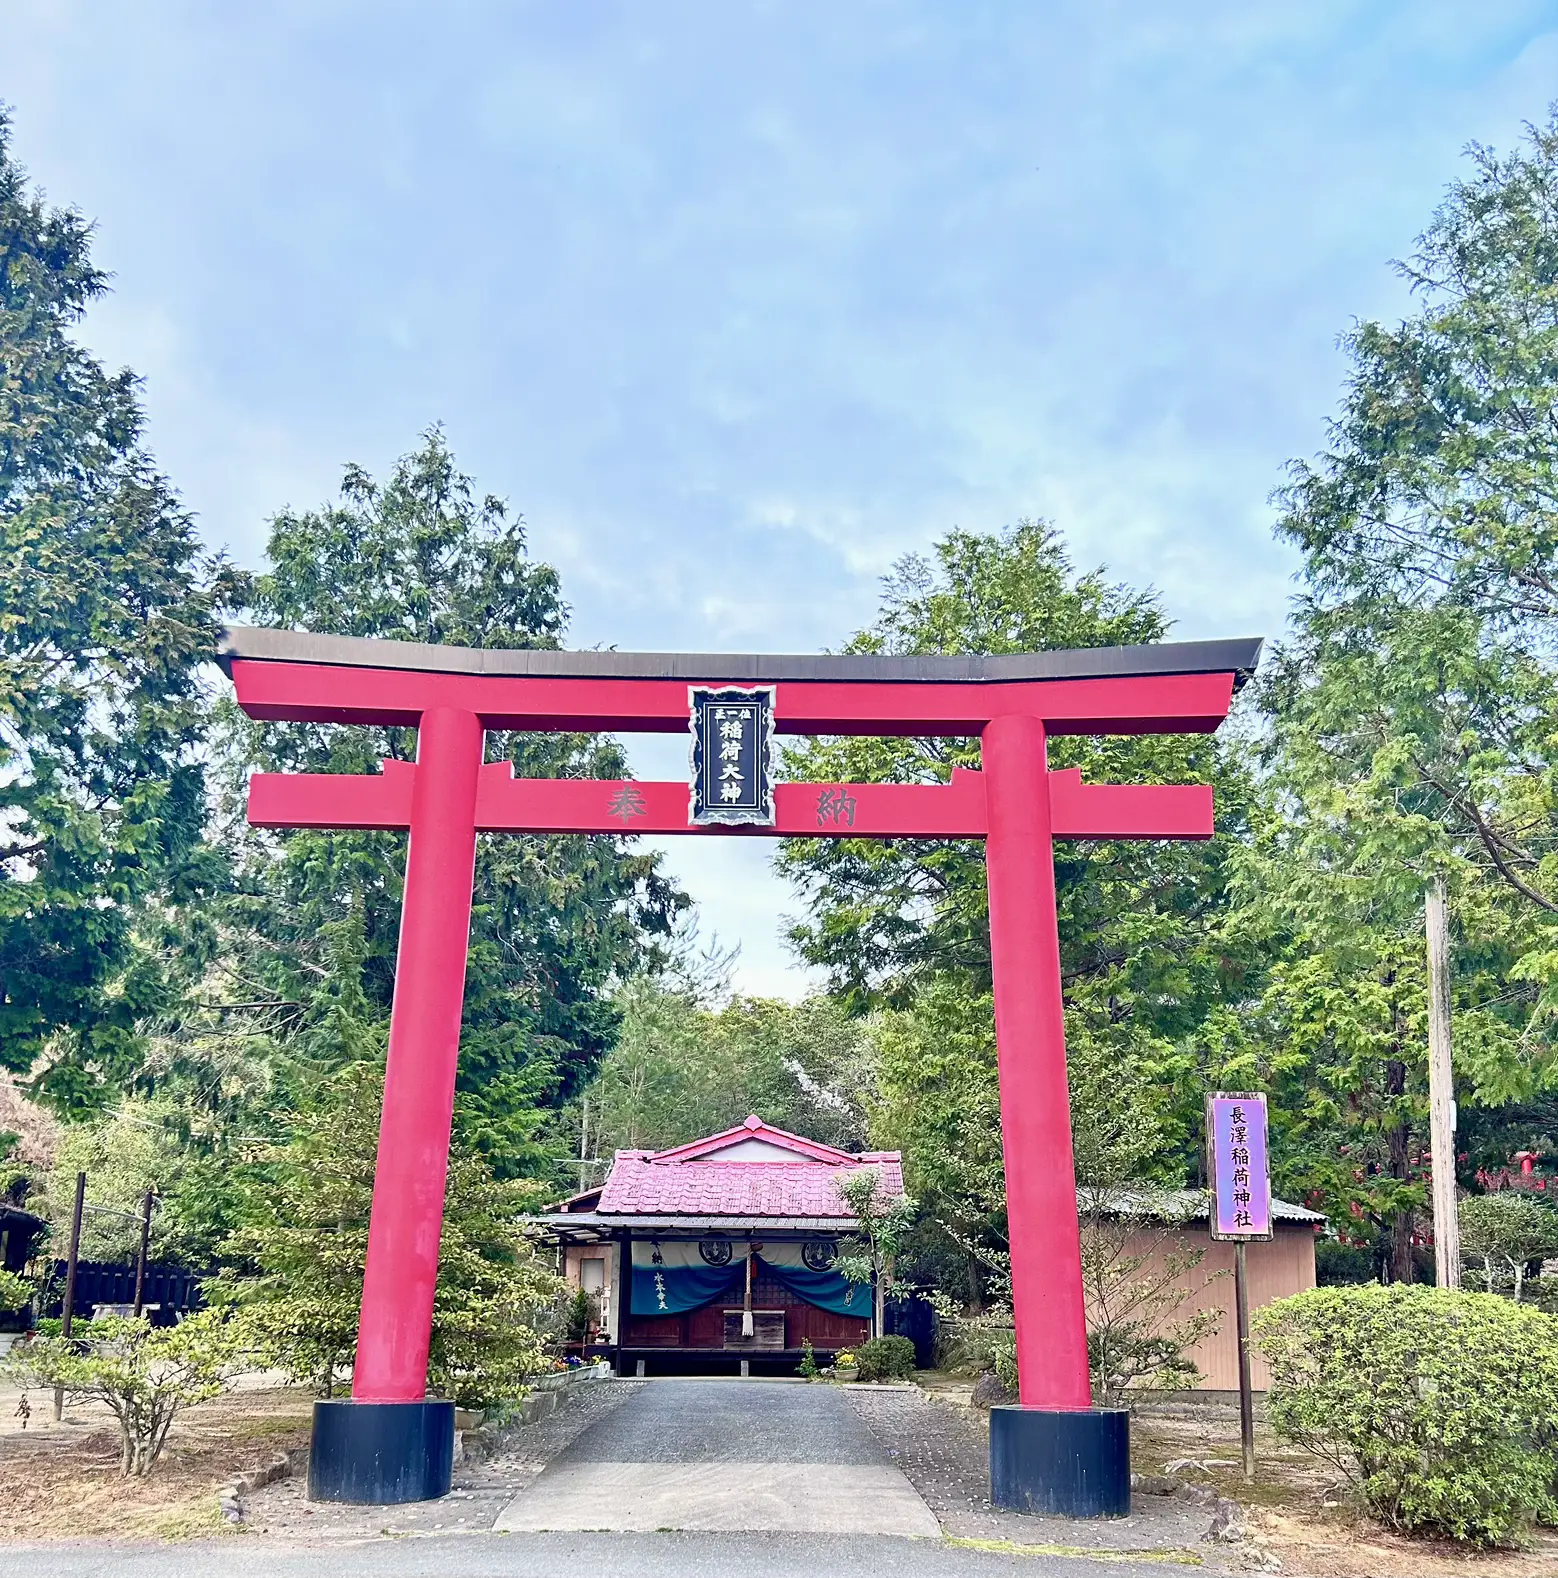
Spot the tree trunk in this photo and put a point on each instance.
(1402, 1267)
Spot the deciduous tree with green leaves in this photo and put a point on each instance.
(904, 923)
(683, 1067)
(302, 1252)
(1502, 1233)
(556, 921)
(882, 1222)
(937, 1100)
(145, 1375)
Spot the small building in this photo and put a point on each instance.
(1175, 1223)
(20, 1232)
(721, 1251)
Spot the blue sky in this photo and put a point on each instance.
(740, 302)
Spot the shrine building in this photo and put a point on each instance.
(719, 1254)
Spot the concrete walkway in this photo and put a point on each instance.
(728, 1456)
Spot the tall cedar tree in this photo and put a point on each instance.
(1413, 708)
(107, 609)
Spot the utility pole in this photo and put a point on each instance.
(1441, 1089)
(140, 1259)
(69, 1308)
(584, 1143)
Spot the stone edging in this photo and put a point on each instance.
(231, 1496)
(545, 1397)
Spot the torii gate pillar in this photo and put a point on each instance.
(1050, 1452)
(1030, 1038)
(1054, 1452)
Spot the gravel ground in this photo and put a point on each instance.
(480, 1491)
(944, 1451)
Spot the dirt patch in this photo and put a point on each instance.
(1297, 1511)
(1344, 1547)
(63, 1482)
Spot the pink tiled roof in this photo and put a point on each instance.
(639, 1187)
(643, 1183)
(748, 1129)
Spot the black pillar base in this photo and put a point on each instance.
(378, 1454)
(1074, 1462)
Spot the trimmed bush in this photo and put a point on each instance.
(885, 1359)
(1439, 1407)
(144, 1375)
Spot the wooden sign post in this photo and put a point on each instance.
(1239, 1173)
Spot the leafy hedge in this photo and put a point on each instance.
(145, 1375)
(1440, 1407)
(885, 1359)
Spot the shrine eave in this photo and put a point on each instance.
(593, 1226)
(257, 644)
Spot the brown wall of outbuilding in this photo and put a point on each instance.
(1284, 1266)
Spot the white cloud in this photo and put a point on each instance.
(739, 304)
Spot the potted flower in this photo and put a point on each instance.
(845, 1365)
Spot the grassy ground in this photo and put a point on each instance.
(60, 1481)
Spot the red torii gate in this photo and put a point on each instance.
(1053, 1452)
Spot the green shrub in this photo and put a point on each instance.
(144, 1375)
(1003, 1362)
(580, 1316)
(885, 1359)
(1438, 1406)
(15, 1291)
(983, 1344)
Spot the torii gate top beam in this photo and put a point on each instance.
(1171, 687)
